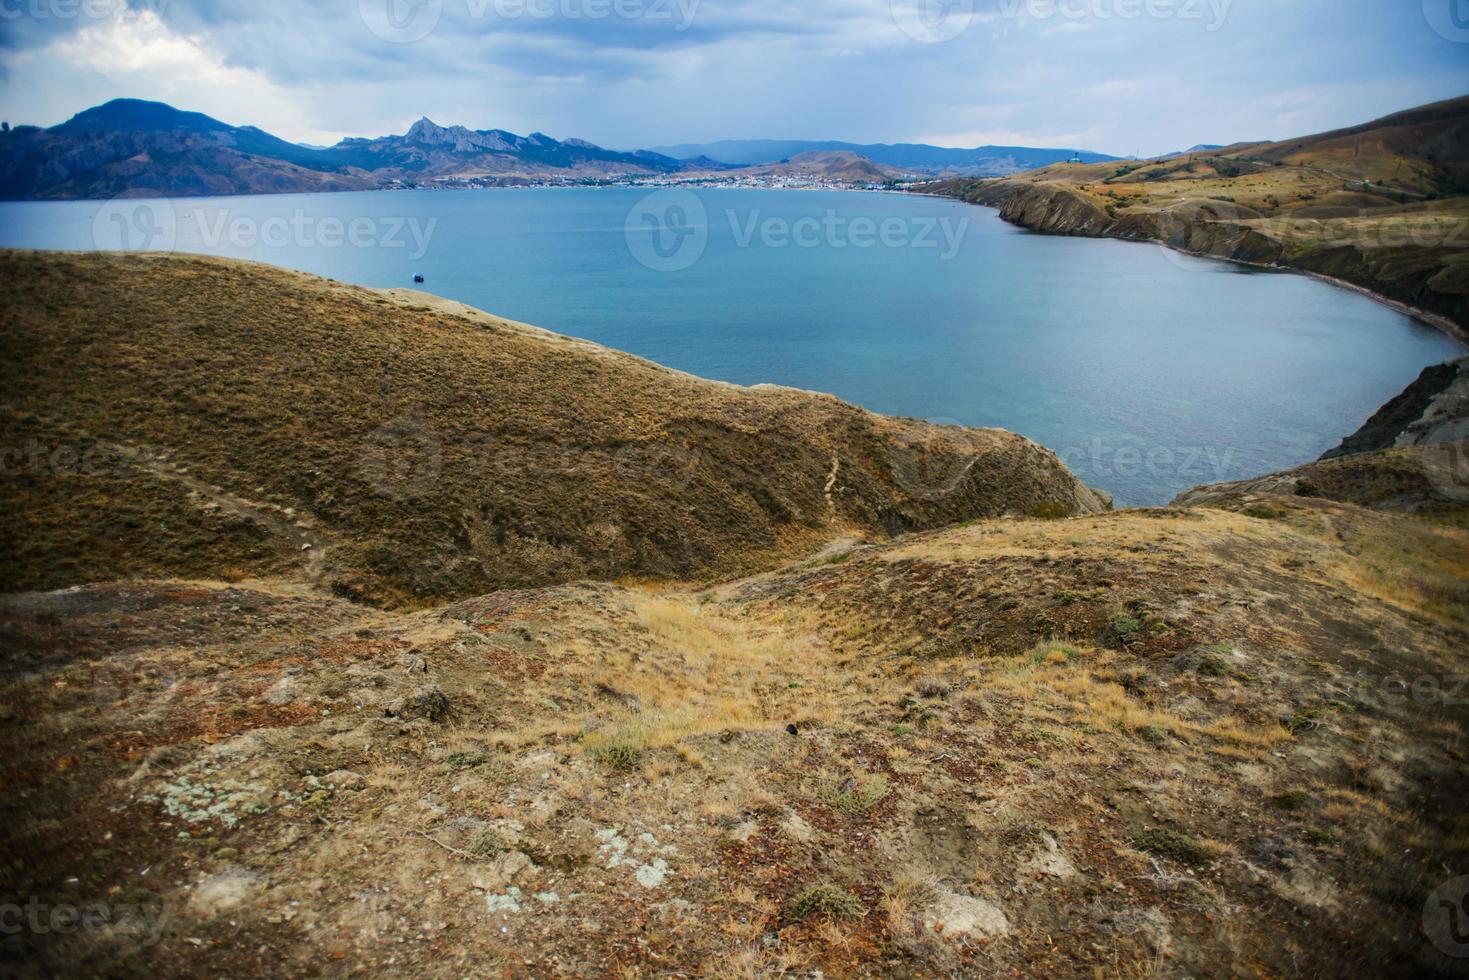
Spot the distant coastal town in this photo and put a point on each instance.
(784, 181)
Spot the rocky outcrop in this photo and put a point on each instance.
(1412, 456)
(1432, 410)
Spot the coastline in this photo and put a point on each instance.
(1445, 325)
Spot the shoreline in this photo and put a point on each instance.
(1450, 328)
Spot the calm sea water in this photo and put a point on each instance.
(1149, 372)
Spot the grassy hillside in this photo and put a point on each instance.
(195, 416)
(1048, 740)
(1136, 744)
(1382, 206)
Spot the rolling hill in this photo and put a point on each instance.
(409, 449)
(835, 165)
(389, 636)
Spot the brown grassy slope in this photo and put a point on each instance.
(1429, 481)
(1381, 206)
(1160, 743)
(407, 449)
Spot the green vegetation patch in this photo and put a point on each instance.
(828, 902)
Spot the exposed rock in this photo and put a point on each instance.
(1432, 410)
(1049, 861)
(345, 779)
(224, 891)
(962, 915)
(429, 703)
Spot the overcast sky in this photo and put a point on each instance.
(1116, 76)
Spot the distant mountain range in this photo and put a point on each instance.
(981, 161)
(135, 148)
(129, 147)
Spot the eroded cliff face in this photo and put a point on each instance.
(1432, 410)
(1430, 278)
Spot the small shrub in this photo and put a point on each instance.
(621, 748)
(1302, 721)
(828, 902)
(932, 687)
(855, 794)
(1134, 680)
(1053, 654)
(1042, 736)
(1307, 489)
(490, 842)
(1121, 630)
(1154, 734)
(467, 760)
(1050, 510)
(1292, 801)
(1213, 663)
(1172, 844)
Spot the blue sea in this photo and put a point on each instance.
(1148, 371)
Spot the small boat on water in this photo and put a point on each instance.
(417, 277)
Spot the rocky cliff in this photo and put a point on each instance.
(1432, 410)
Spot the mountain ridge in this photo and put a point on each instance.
(130, 147)
(134, 148)
(978, 161)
